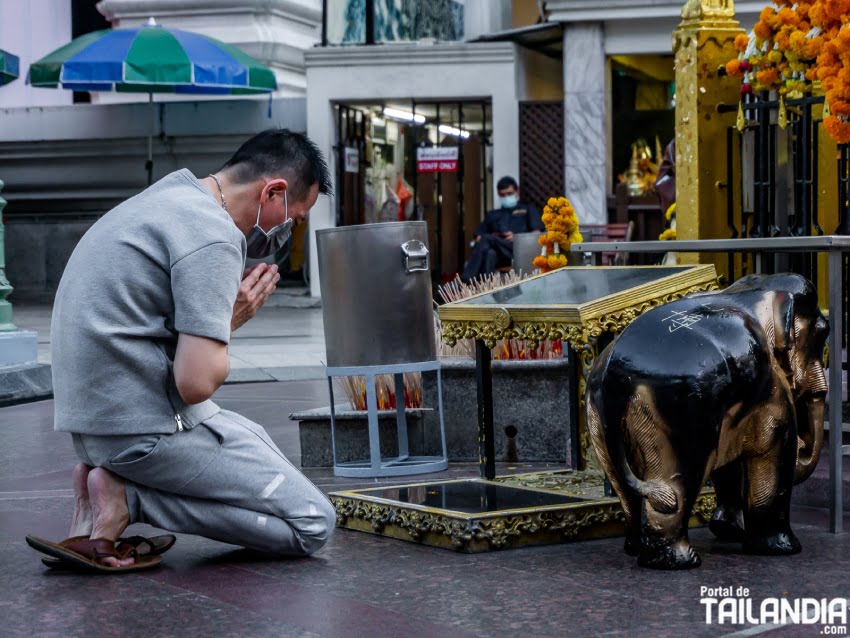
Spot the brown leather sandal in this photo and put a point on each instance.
(153, 546)
(89, 555)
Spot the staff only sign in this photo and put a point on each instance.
(436, 159)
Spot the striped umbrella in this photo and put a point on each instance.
(152, 59)
(9, 65)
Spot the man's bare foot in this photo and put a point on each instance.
(109, 509)
(81, 523)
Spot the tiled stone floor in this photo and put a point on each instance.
(363, 585)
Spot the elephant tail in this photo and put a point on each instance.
(642, 424)
(639, 424)
(659, 494)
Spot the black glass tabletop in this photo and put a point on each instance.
(572, 286)
(470, 497)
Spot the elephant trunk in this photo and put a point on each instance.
(810, 413)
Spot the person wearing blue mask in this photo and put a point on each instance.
(141, 323)
(494, 245)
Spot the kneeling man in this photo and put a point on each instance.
(141, 323)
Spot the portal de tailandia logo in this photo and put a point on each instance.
(735, 606)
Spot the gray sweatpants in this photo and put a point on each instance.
(224, 479)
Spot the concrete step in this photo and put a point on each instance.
(26, 382)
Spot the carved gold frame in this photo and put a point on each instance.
(596, 517)
(575, 323)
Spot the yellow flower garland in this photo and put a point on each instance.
(561, 222)
(795, 43)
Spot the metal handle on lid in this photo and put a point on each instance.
(415, 256)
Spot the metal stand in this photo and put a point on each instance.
(486, 435)
(403, 464)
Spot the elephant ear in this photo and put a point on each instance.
(785, 336)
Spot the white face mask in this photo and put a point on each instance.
(509, 201)
(261, 243)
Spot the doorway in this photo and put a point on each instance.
(417, 160)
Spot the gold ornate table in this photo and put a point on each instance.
(584, 307)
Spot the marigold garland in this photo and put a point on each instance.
(670, 215)
(561, 222)
(795, 43)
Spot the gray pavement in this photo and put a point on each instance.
(361, 585)
(285, 341)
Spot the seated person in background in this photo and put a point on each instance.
(494, 245)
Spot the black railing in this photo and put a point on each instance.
(843, 190)
(844, 229)
(784, 166)
(763, 216)
(781, 199)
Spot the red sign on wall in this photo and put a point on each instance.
(437, 159)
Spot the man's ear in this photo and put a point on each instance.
(276, 187)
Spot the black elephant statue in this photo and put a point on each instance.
(727, 385)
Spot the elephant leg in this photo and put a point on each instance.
(632, 502)
(727, 521)
(665, 543)
(667, 490)
(770, 476)
(629, 498)
(633, 525)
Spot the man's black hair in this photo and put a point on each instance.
(282, 153)
(506, 182)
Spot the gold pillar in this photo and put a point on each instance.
(827, 193)
(703, 42)
(827, 196)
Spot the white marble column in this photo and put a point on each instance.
(275, 32)
(585, 129)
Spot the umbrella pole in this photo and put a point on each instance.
(149, 163)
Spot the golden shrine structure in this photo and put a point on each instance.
(585, 307)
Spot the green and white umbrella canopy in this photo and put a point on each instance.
(152, 59)
(9, 67)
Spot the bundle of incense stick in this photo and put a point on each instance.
(355, 390)
(456, 290)
(513, 349)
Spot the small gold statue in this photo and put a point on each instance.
(642, 172)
